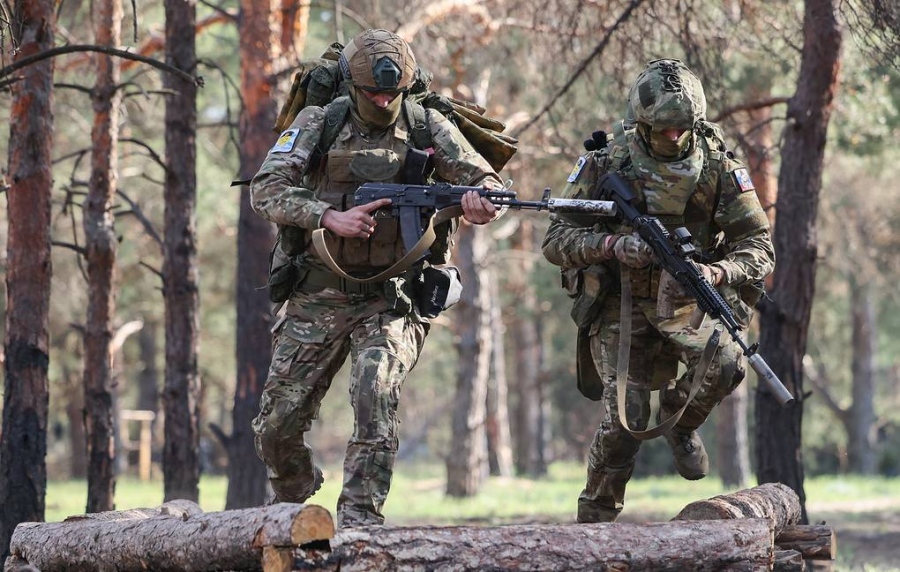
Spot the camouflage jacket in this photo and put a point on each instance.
(717, 204)
(288, 189)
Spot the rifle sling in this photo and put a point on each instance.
(709, 352)
(412, 255)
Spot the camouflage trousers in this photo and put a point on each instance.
(321, 329)
(657, 348)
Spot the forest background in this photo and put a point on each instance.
(497, 374)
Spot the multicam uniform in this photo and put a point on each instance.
(708, 192)
(327, 319)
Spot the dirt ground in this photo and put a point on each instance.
(868, 534)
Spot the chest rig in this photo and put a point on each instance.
(350, 158)
(679, 194)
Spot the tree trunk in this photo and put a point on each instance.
(258, 50)
(467, 463)
(171, 538)
(732, 448)
(100, 246)
(861, 431)
(23, 435)
(294, 27)
(784, 324)
(181, 397)
(530, 445)
(745, 544)
(498, 435)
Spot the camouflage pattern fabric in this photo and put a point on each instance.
(727, 222)
(325, 326)
(666, 95)
(320, 331)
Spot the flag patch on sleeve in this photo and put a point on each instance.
(286, 141)
(576, 170)
(742, 178)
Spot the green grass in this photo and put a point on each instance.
(418, 495)
(862, 510)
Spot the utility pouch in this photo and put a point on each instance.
(588, 288)
(439, 290)
(285, 273)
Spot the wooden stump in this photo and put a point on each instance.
(228, 540)
(737, 545)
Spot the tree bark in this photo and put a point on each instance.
(499, 438)
(813, 542)
(467, 463)
(181, 538)
(181, 397)
(861, 430)
(101, 246)
(745, 544)
(530, 443)
(258, 50)
(733, 458)
(773, 500)
(23, 435)
(784, 323)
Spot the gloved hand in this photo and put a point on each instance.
(673, 288)
(672, 294)
(629, 249)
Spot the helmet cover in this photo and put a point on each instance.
(378, 60)
(667, 95)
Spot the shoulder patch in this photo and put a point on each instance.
(286, 140)
(742, 178)
(576, 170)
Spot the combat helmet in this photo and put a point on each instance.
(378, 60)
(666, 95)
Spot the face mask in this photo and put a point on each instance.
(666, 148)
(378, 117)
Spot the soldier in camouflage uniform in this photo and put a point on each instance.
(683, 174)
(301, 187)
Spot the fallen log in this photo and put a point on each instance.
(227, 540)
(737, 545)
(771, 500)
(813, 541)
(788, 561)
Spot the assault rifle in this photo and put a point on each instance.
(409, 203)
(674, 254)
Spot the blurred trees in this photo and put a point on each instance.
(517, 58)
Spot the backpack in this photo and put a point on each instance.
(319, 81)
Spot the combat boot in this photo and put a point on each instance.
(318, 479)
(691, 459)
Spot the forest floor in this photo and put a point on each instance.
(868, 532)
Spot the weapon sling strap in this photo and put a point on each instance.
(411, 257)
(709, 353)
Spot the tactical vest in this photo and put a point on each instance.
(692, 207)
(348, 160)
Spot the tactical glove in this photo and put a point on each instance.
(629, 249)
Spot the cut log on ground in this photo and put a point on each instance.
(228, 540)
(771, 500)
(737, 545)
(788, 561)
(813, 541)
